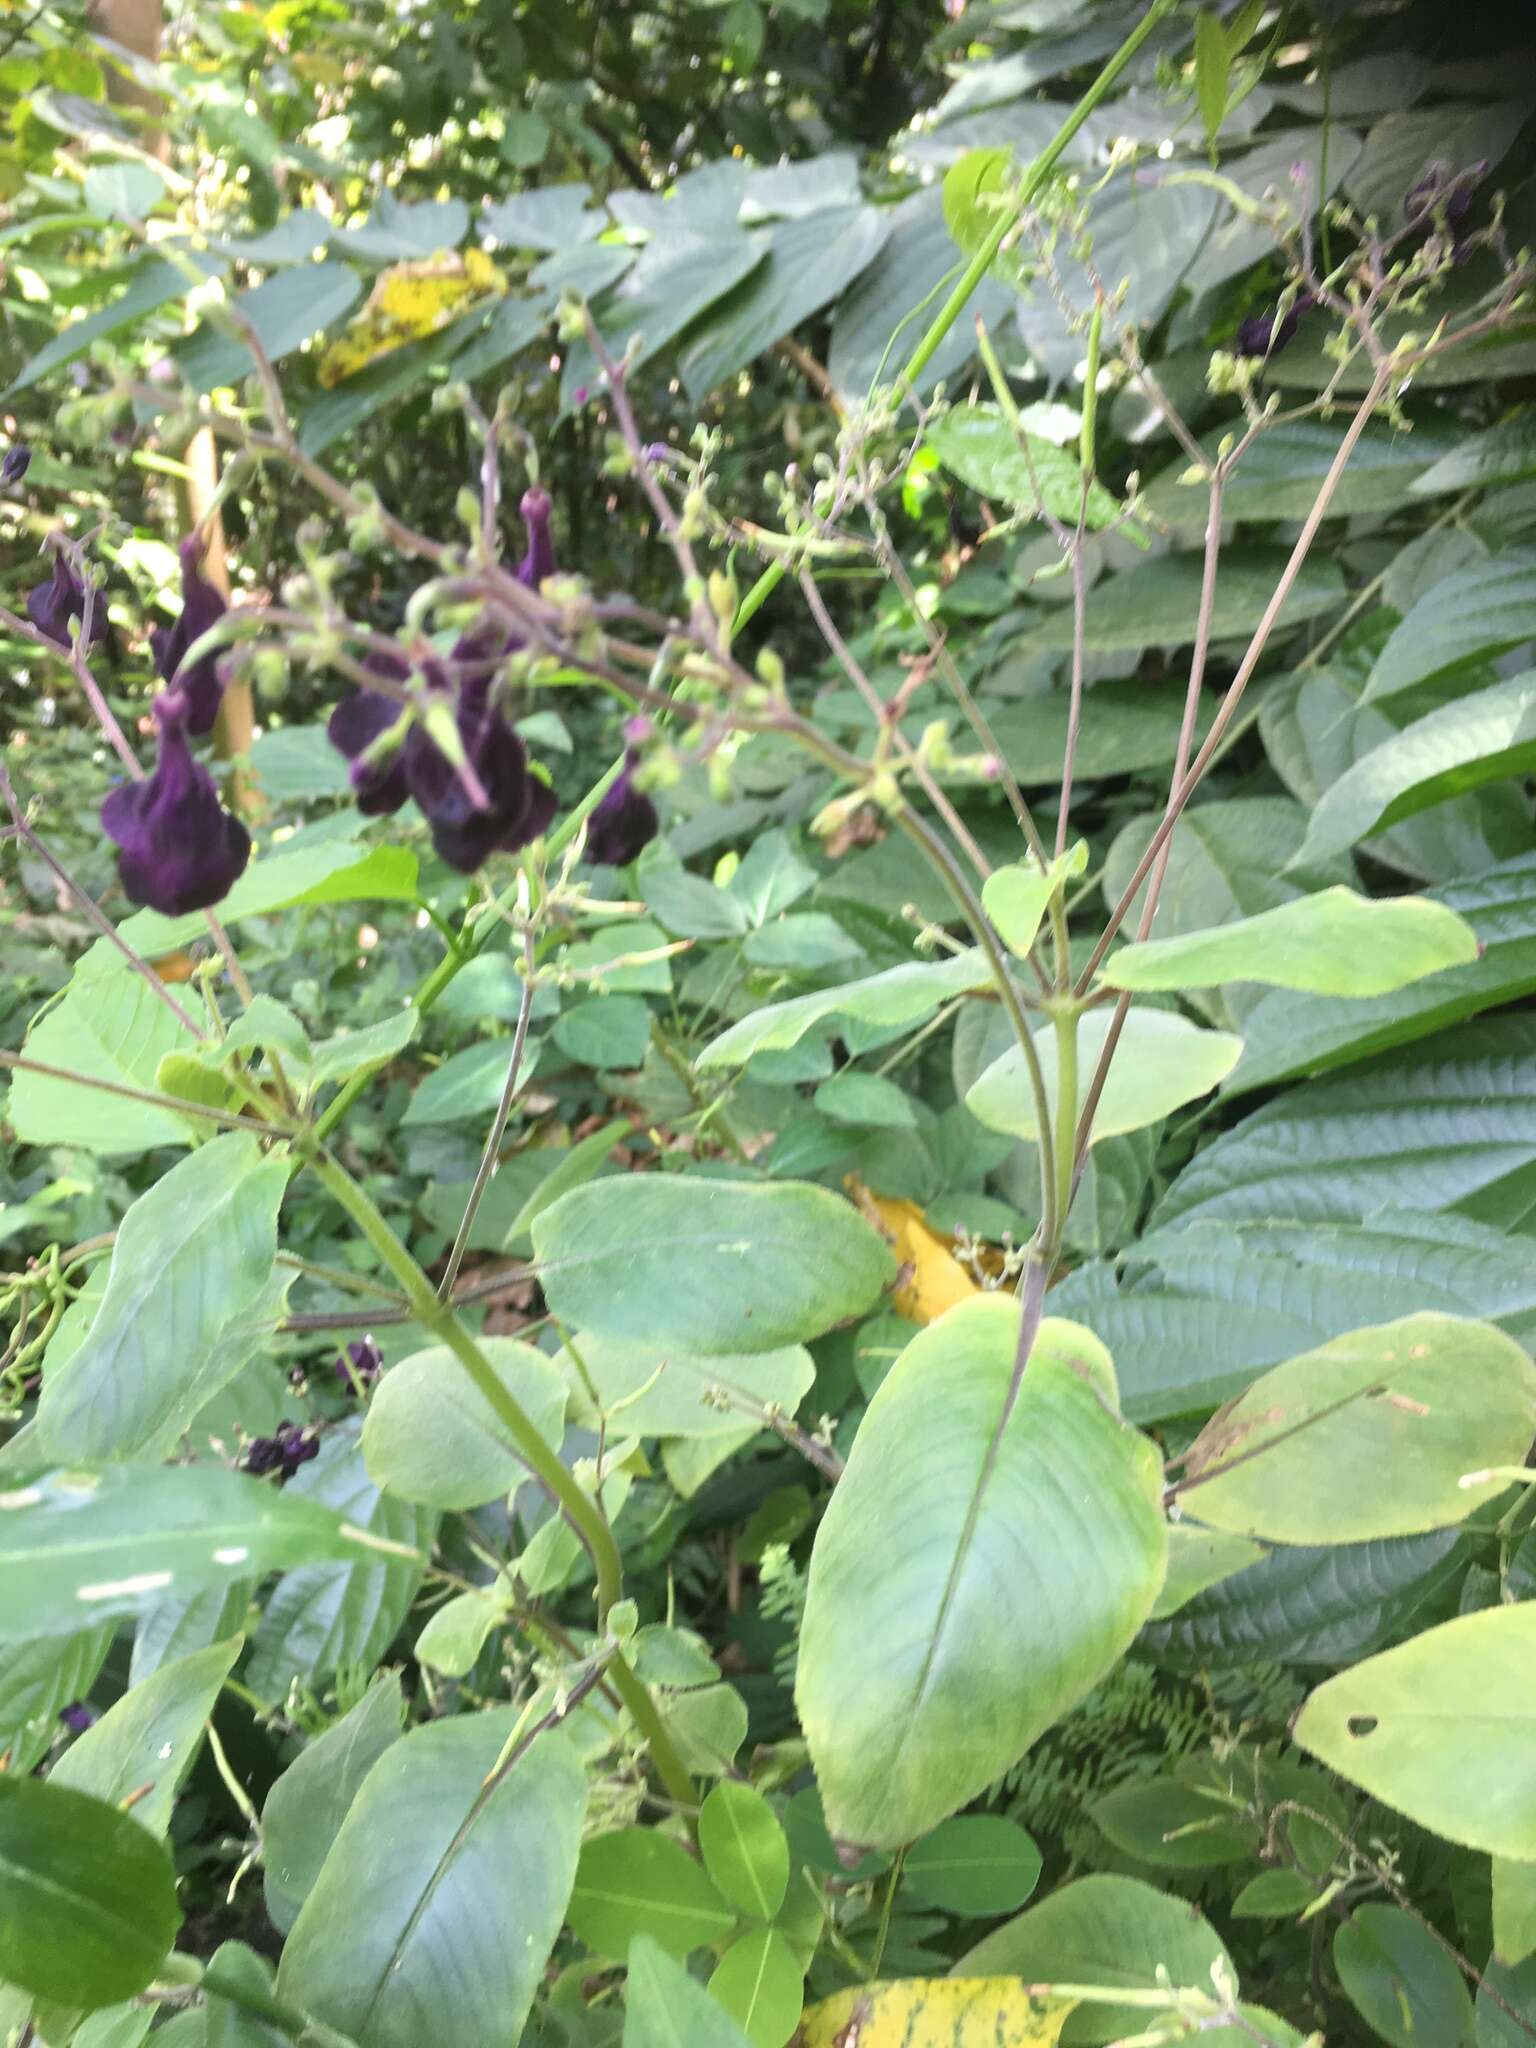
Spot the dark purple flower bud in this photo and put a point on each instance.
(362, 1363)
(181, 850)
(379, 783)
(53, 604)
(539, 561)
(77, 1717)
(1265, 334)
(14, 464)
(518, 805)
(201, 608)
(289, 1447)
(623, 822)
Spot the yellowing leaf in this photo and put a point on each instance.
(938, 2012)
(932, 1279)
(408, 302)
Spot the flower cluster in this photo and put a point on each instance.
(201, 608)
(289, 1447)
(180, 849)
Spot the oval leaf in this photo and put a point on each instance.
(632, 1882)
(744, 1848)
(939, 2012)
(1021, 1545)
(431, 1437)
(1161, 1062)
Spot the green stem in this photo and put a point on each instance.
(1066, 1117)
(580, 1510)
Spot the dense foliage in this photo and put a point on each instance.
(769, 1119)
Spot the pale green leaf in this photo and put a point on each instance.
(1161, 1063)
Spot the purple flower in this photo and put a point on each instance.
(623, 822)
(201, 608)
(539, 561)
(13, 466)
(1265, 334)
(284, 1452)
(53, 604)
(362, 1363)
(518, 805)
(181, 850)
(378, 785)
(1443, 193)
(77, 1717)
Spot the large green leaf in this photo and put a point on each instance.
(1127, 727)
(1157, 603)
(152, 283)
(1226, 860)
(744, 1848)
(1441, 1728)
(666, 2008)
(150, 1737)
(1400, 1980)
(1332, 943)
(1469, 618)
(1278, 477)
(656, 1391)
(87, 1896)
(900, 996)
(978, 445)
(1162, 1061)
(633, 1882)
(1114, 1931)
(761, 1984)
(1448, 1125)
(961, 1571)
(1503, 454)
(119, 1033)
(285, 310)
(1286, 1034)
(809, 261)
(672, 282)
(431, 1436)
(434, 1913)
(713, 1266)
(36, 1680)
(194, 1255)
(1308, 1605)
(1477, 740)
(1420, 1404)
(305, 1808)
(1213, 1304)
(1514, 1909)
(81, 1546)
(322, 1618)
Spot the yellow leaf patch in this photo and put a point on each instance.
(937, 2012)
(932, 1278)
(408, 302)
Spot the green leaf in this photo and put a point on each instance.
(666, 2008)
(604, 1031)
(123, 191)
(1400, 1980)
(81, 1546)
(977, 444)
(194, 1255)
(761, 1985)
(1285, 1034)
(1307, 1605)
(435, 1912)
(1101, 1930)
(1016, 898)
(1176, 1826)
(1333, 943)
(995, 1608)
(900, 996)
(150, 1736)
(120, 1034)
(854, 1098)
(550, 217)
(1421, 1404)
(285, 310)
(634, 1882)
(372, 1045)
(809, 262)
(711, 1265)
(673, 280)
(431, 1436)
(398, 230)
(744, 1849)
(1514, 1910)
(458, 1631)
(688, 906)
(1156, 603)
(1479, 739)
(807, 942)
(1465, 620)
(87, 1896)
(467, 1084)
(1198, 1559)
(976, 1865)
(306, 1806)
(1450, 1125)
(1504, 454)
(654, 1391)
(1227, 860)
(581, 1163)
(1279, 475)
(38, 1678)
(324, 1618)
(1441, 1729)
(1161, 1062)
(151, 284)
(1212, 65)
(173, 1629)
(1517, 1988)
(1128, 727)
(1273, 1895)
